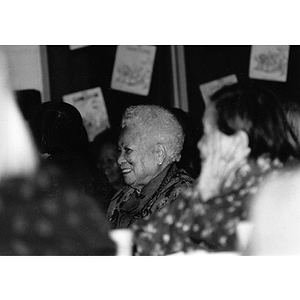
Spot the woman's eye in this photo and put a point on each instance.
(128, 151)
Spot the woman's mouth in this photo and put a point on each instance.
(125, 171)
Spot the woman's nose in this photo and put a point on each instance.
(120, 159)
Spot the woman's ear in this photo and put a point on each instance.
(160, 153)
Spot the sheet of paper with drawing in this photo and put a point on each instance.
(269, 62)
(209, 88)
(91, 106)
(133, 69)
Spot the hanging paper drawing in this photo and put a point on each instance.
(133, 69)
(91, 106)
(209, 88)
(269, 62)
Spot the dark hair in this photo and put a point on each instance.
(190, 158)
(259, 113)
(58, 129)
(292, 111)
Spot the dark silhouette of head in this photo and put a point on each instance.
(58, 129)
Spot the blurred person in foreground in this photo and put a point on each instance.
(275, 212)
(41, 212)
(246, 137)
(150, 143)
(275, 216)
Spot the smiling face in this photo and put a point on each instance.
(137, 158)
(107, 162)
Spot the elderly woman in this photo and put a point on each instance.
(246, 137)
(150, 143)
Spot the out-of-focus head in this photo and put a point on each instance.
(58, 129)
(257, 112)
(18, 155)
(214, 142)
(150, 140)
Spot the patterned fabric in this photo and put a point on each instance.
(190, 223)
(127, 206)
(45, 215)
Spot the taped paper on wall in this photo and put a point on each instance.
(75, 47)
(269, 62)
(133, 69)
(91, 106)
(209, 88)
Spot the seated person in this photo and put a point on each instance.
(105, 151)
(246, 137)
(150, 143)
(41, 211)
(275, 216)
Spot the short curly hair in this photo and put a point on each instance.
(159, 123)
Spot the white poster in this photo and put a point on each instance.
(269, 62)
(209, 88)
(75, 47)
(133, 69)
(91, 106)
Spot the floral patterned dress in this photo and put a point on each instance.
(190, 223)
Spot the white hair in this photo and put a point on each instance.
(159, 123)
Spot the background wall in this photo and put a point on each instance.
(57, 70)
(92, 66)
(28, 68)
(207, 63)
